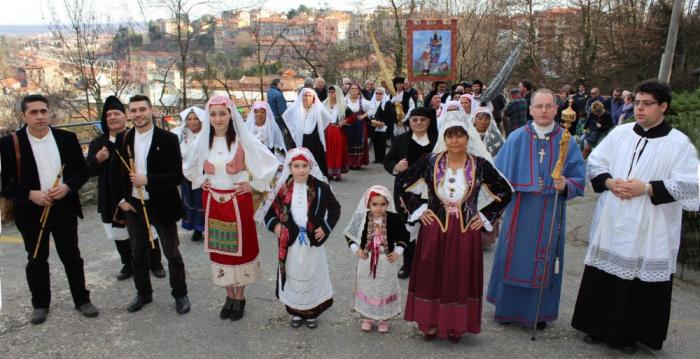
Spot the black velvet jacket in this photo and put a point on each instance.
(75, 174)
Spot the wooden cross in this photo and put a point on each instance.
(541, 153)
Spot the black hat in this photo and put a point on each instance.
(428, 112)
(111, 103)
(398, 80)
(478, 82)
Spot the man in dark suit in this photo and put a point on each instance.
(42, 152)
(157, 173)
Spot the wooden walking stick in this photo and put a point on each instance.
(568, 116)
(45, 213)
(132, 170)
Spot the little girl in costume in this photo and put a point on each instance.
(301, 210)
(378, 236)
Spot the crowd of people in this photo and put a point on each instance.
(468, 171)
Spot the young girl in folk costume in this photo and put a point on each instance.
(356, 127)
(261, 123)
(378, 236)
(232, 163)
(336, 143)
(307, 119)
(446, 283)
(301, 210)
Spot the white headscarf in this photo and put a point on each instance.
(299, 126)
(339, 104)
(376, 104)
(182, 131)
(260, 163)
(274, 134)
(493, 140)
(188, 145)
(446, 110)
(359, 218)
(286, 172)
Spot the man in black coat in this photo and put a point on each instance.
(102, 162)
(41, 152)
(406, 150)
(157, 173)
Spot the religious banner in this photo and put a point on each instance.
(432, 50)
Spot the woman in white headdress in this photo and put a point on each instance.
(488, 130)
(231, 164)
(336, 143)
(382, 120)
(261, 123)
(187, 132)
(356, 129)
(301, 210)
(450, 106)
(306, 120)
(377, 235)
(446, 282)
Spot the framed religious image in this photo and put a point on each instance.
(432, 48)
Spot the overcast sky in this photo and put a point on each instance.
(34, 12)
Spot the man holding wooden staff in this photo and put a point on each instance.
(44, 169)
(151, 171)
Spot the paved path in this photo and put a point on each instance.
(158, 332)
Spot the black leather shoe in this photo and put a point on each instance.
(159, 273)
(226, 309)
(196, 236)
(182, 305)
(88, 310)
(541, 325)
(39, 315)
(124, 273)
(404, 273)
(138, 303)
(237, 309)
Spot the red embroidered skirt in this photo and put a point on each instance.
(230, 237)
(336, 150)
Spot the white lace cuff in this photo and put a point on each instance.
(487, 224)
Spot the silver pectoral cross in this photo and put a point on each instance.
(541, 153)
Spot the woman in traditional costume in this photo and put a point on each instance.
(446, 283)
(356, 129)
(187, 132)
(301, 210)
(232, 164)
(336, 143)
(307, 120)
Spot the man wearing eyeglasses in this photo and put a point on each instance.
(647, 173)
(522, 269)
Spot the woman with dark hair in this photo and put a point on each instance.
(356, 128)
(229, 157)
(446, 283)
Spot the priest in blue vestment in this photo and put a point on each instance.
(519, 269)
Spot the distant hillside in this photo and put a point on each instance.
(23, 29)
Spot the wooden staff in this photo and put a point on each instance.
(131, 166)
(568, 116)
(45, 213)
